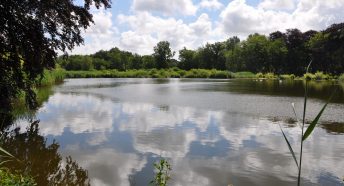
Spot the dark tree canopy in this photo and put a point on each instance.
(163, 54)
(31, 33)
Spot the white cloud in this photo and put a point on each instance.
(203, 25)
(277, 4)
(242, 19)
(239, 18)
(145, 30)
(100, 35)
(211, 4)
(318, 14)
(166, 7)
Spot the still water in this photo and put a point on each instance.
(213, 132)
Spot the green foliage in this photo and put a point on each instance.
(9, 179)
(321, 76)
(163, 54)
(309, 76)
(51, 77)
(280, 53)
(316, 76)
(244, 75)
(287, 76)
(162, 174)
(260, 75)
(152, 73)
(31, 34)
(304, 135)
(341, 77)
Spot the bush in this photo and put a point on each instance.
(321, 76)
(7, 178)
(244, 75)
(259, 75)
(309, 76)
(341, 77)
(287, 76)
(270, 76)
(220, 74)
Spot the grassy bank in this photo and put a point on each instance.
(193, 73)
(152, 73)
(51, 77)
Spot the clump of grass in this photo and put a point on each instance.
(287, 76)
(341, 78)
(218, 74)
(51, 77)
(309, 76)
(244, 75)
(260, 75)
(162, 174)
(269, 76)
(197, 73)
(321, 76)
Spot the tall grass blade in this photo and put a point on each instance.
(289, 146)
(5, 152)
(316, 119)
(4, 162)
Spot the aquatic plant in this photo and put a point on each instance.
(304, 133)
(162, 174)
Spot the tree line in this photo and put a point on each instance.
(279, 53)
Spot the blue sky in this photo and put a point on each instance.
(137, 25)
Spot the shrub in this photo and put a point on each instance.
(270, 76)
(287, 76)
(244, 75)
(341, 77)
(321, 76)
(309, 76)
(259, 75)
(220, 74)
(7, 178)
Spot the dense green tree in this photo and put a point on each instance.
(100, 64)
(78, 62)
(277, 56)
(136, 62)
(163, 54)
(148, 62)
(30, 34)
(234, 59)
(255, 53)
(232, 42)
(298, 56)
(187, 59)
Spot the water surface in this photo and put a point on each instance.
(213, 132)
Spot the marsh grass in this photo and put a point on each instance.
(304, 133)
(151, 73)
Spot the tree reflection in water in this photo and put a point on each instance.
(40, 160)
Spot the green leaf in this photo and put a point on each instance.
(316, 119)
(289, 146)
(314, 122)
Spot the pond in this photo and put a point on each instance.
(212, 132)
